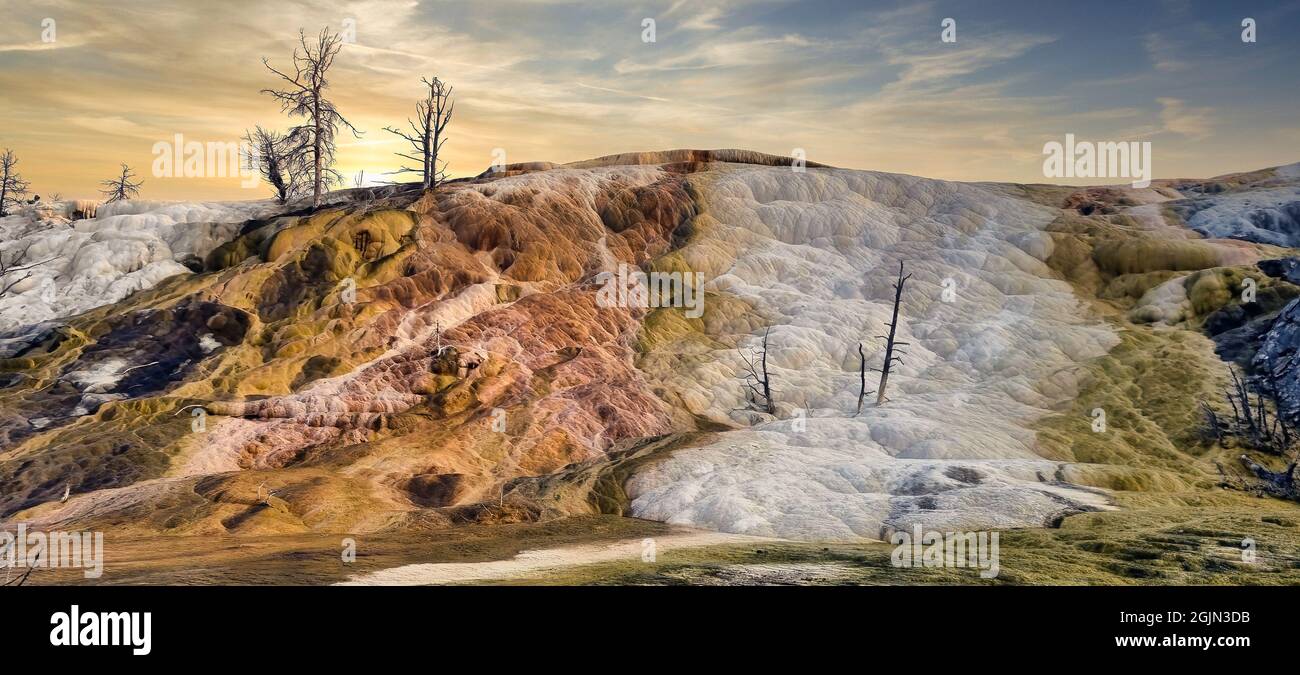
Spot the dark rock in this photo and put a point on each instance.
(1240, 344)
(964, 474)
(317, 367)
(1282, 268)
(1277, 360)
(441, 489)
(193, 263)
(161, 346)
(37, 338)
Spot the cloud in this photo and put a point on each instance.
(1165, 55)
(705, 20)
(116, 125)
(560, 80)
(744, 50)
(623, 93)
(34, 46)
(937, 66)
(1178, 118)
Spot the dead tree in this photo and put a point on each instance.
(16, 261)
(432, 115)
(1253, 427)
(313, 142)
(1284, 484)
(269, 155)
(121, 188)
(891, 345)
(1252, 424)
(862, 378)
(1213, 427)
(758, 384)
(1281, 429)
(12, 186)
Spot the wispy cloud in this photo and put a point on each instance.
(115, 125)
(1179, 118)
(705, 20)
(1164, 53)
(862, 86)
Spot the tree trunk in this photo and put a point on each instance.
(767, 382)
(1282, 484)
(430, 170)
(4, 190)
(316, 126)
(426, 178)
(862, 376)
(889, 342)
(433, 158)
(884, 382)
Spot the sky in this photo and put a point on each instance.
(85, 86)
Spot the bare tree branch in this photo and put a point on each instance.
(12, 186)
(121, 188)
(756, 376)
(862, 377)
(890, 343)
(16, 261)
(312, 143)
(432, 114)
(283, 170)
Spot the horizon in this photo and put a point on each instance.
(869, 87)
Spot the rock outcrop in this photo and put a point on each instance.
(1278, 360)
(399, 359)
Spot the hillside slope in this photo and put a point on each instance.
(401, 361)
